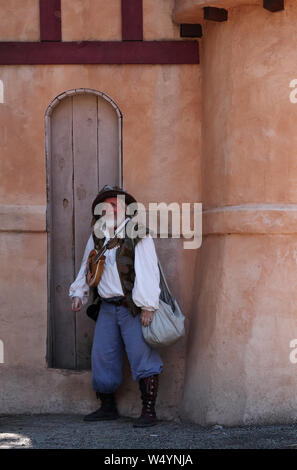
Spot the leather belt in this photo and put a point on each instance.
(117, 301)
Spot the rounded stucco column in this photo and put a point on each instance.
(245, 313)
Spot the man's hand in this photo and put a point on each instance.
(76, 304)
(146, 317)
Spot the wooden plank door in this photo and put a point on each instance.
(84, 155)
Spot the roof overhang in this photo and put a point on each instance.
(192, 11)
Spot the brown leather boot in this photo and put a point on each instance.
(149, 389)
(107, 411)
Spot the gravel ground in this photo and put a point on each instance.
(71, 432)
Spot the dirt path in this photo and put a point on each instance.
(71, 432)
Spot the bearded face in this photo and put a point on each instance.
(114, 213)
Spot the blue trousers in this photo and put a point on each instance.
(116, 328)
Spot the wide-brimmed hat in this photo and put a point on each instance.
(111, 191)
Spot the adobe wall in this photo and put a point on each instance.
(239, 370)
(160, 105)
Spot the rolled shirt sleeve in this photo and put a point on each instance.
(79, 287)
(146, 290)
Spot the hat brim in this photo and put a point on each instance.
(113, 193)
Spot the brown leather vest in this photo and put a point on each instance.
(125, 255)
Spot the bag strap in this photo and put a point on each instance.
(163, 276)
(169, 298)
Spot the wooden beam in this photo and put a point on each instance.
(215, 14)
(50, 20)
(274, 5)
(132, 20)
(99, 52)
(190, 30)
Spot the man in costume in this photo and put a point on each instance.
(126, 298)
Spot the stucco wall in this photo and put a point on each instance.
(161, 149)
(90, 20)
(101, 20)
(239, 370)
(86, 20)
(19, 20)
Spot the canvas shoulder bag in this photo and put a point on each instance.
(167, 325)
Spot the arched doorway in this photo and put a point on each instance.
(83, 152)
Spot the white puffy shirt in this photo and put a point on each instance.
(146, 290)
